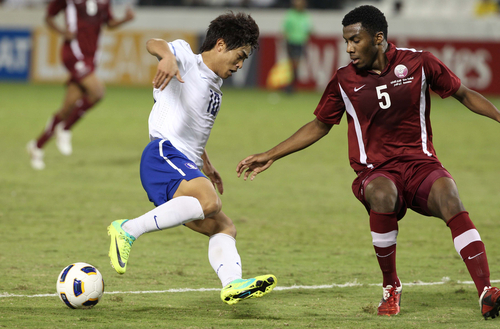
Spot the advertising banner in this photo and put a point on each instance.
(15, 54)
(122, 57)
(472, 61)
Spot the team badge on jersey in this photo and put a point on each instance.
(401, 71)
(190, 165)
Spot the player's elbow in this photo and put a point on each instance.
(154, 43)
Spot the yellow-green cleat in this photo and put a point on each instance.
(121, 243)
(248, 288)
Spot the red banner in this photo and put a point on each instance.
(472, 61)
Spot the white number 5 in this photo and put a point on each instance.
(384, 96)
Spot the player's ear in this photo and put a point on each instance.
(220, 45)
(379, 38)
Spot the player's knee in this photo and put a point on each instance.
(451, 205)
(230, 230)
(211, 206)
(96, 95)
(382, 199)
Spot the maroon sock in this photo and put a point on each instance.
(48, 132)
(470, 247)
(81, 106)
(384, 229)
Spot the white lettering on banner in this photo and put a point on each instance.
(471, 66)
(45, 70)
(318, 65)
(14, 54)
(281, 52)
(122, 60)
(105, 58)
(127, 60)
(121, 56)
(6, 53)
(23, 47)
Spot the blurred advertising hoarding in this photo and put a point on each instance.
(15, 54)
(122, 57)
(472, 61)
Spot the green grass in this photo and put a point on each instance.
(299, 220)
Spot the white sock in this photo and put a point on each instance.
(224, 258)
(172, 213)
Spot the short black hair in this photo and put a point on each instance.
(237, 30)
(370, 17)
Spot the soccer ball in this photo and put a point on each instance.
(80, 285)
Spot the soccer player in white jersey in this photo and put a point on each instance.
(385, 94)
(187, 100)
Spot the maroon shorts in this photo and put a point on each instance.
(78, 68)
(413, 176)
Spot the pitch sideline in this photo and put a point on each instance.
(325, 286)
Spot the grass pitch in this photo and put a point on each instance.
(298, 220)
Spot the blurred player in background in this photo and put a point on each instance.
(84, 89)
(385, 92)
(297, 28)
(187, 100)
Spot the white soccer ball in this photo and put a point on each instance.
(80, 285)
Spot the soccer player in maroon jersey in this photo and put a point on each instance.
(84, 19)
(384, 92)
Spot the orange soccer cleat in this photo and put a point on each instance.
(389, 305)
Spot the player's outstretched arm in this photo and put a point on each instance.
(254, 164)
(167, 65)
(304, 137)
(477, 103)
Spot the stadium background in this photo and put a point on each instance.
(468, 44)
(312, 233)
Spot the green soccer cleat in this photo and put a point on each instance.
(240, 289)
(121, 242)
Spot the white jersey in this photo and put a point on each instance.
(184, 113)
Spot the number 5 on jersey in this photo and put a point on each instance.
(384, 97)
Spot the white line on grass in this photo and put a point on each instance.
(325, 286)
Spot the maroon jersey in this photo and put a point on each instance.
(388, 115)
(83, 17)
